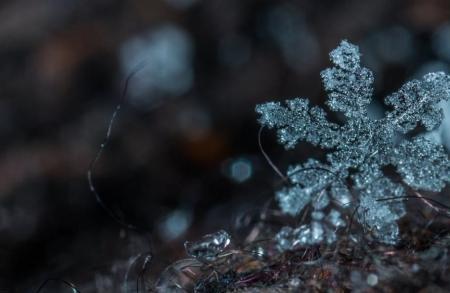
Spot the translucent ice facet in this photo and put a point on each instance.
(209, 247)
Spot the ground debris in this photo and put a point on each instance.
(347, 266)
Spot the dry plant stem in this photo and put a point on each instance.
(266, 156)
(431, 205)
(67, 283)
(93, 164)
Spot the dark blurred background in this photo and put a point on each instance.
(183, 159)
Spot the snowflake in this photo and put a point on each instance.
(358, 151)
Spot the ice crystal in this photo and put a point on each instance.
(209, 247)
(289, 238)
(359, 150)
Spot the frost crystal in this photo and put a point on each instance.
(209, 247)
(289, 238)
(359, 150)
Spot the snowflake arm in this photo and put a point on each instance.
(308, 179)
(380, 215)
(417, 101)
(349, 86)
(298, 121)
(422, 164)
(292, 200)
